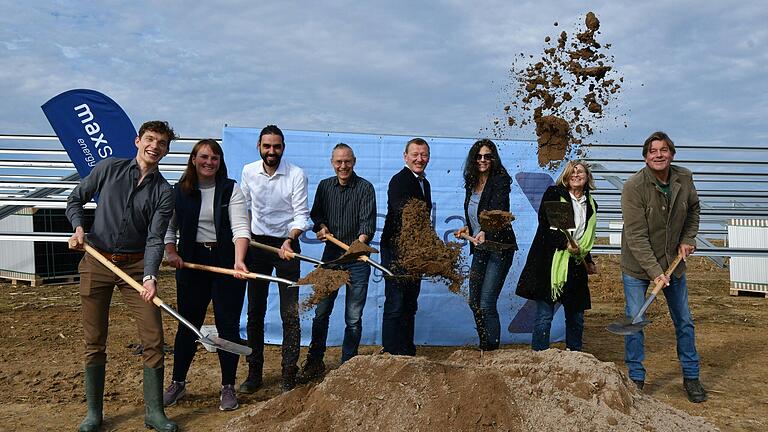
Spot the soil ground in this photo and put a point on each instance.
(41, 357)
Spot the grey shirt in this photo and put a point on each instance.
(130, 217)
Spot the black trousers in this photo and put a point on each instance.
(265, 262)
(195, 289)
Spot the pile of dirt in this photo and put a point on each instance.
(422, 253)
(498, 390)
(495, 220)
(324, 283)
(564, 92)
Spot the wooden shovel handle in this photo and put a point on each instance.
(273, 249)
(667, 273)
(344, 246)
(117, 270)
(221, 270)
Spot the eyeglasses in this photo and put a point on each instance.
(486, 156)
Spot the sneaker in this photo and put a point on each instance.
(175, 391)
(228, 398)
(311, 369)
(639, 383)
(695, 390)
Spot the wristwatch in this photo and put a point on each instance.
(148, 278)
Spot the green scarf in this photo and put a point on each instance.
(559, 271)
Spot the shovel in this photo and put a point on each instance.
(488, 245)
(214, 341)
(292, 255)
(360, 256)
(629, 326)
(231, 272)
(560, 217)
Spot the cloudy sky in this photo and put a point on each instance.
(696, 69)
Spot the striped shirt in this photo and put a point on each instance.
(347, 210)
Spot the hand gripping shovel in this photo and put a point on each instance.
(360, 256)
(232, 272)
(560, 217)
(488, 245)
(628, 326)
(214, 341)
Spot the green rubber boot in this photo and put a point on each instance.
(94, 395)
(154, 416)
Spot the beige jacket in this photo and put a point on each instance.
(652, 229)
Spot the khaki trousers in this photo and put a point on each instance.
(97, 284)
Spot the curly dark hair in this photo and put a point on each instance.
(471, 173)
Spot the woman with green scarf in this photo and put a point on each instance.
(555, 272)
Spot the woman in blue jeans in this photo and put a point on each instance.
(555, 272)
(487, 186)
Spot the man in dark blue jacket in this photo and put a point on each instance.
(402, 293)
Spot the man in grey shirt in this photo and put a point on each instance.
(135, 205)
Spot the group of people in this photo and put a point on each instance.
(208, 218)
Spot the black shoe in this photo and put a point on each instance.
(288, 383)
(311, 369)
(254, 381)
(639, 384)
(695, 390)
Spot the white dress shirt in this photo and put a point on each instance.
(579, 215)
(278, 203)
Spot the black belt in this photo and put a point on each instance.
(208, 245)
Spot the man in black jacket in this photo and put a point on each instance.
(402, 294)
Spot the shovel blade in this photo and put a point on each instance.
(625, 327)
(225, 345)
(559, 214)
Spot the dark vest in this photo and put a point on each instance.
(188, 216)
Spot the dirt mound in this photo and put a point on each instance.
(495, 220)
(324, 283)
(499, 390)
(422, 253)
(563, 92)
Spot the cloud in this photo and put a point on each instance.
(694, 68)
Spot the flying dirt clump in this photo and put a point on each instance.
(495, 220)
(422, 253)
(565, 92)
(503, 390)
(324, 283)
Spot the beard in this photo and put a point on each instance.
(275, 160)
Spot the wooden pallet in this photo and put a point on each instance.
(744, 288)
(36, 281)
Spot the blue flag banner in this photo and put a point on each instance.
(91, 127)
(443, 318)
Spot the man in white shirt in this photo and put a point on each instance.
(276, 195)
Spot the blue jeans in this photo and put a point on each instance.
(400, 306)
(574, 327)
(486, 278)
(357, 291)
(677, 301)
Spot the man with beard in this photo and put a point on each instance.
(276, 194)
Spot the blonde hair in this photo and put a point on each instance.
(568, 171)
